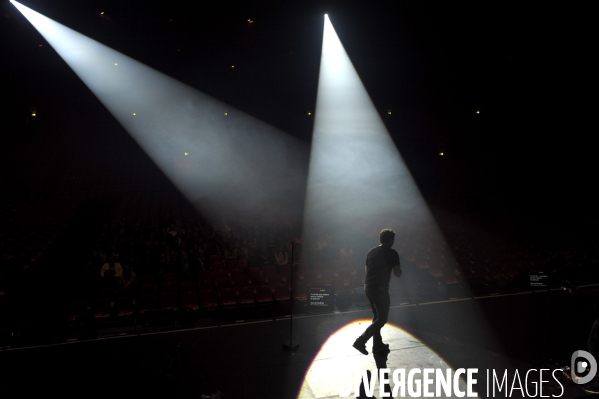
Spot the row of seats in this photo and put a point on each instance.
(214, 289)
(126, 304)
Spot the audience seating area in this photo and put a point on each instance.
(225, 285)
(182, 267)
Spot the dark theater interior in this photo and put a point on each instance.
(190, 189)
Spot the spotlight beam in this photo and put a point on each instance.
(357, 179)
(211, 151)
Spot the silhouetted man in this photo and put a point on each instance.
(381, 260)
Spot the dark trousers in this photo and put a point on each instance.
(379, 302)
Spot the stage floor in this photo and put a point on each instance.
(247, 359)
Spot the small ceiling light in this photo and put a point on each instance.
(309, 113)
(250, 21)
(478, 111)
(134, 114)
(389, 112)
(441, 153)
(226, 113)
(102, 13)
(233, 66)
(186, 153)
(115, 64)
(33, 114)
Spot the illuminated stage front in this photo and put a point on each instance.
(336, 362)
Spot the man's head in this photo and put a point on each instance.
(387, 237)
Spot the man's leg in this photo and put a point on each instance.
(379, 302)
(382, 303)
(360, 343)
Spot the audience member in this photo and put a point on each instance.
(111, 273)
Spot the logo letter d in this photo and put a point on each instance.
(592, 362)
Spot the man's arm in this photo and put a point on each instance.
(396, 264)
(397, 270)
(118, 270)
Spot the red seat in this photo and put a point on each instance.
(205, 275)
(102, 308)
(189, 300)
(269, 271)
(228, 297)
(245, 296)
(320, 266)
(108, 294)
(342, 285)
(450, 279)
(188, 286)
(217, 266)
(278, 279)
(436, 272)
(169, 287)
(206, 284)
(285, 271)
(258, 280)
(300, 293)
(220, 274)
(148, 303)
(318, 280)
(307, 282)
(169, 300)
(237, 273)
(240, 282)
(311, 275)
(123, 306)
(169, 278)
(224, 283)
(77, 309)
(127, 291)
(344, 275)
(264, 294)
(335, 265)
(282, 292)
(208, 299)
(214, 258)
(253, 271)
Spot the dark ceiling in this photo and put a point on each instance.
(434, 64)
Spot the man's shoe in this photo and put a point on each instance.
(382, 349)
(361, 346)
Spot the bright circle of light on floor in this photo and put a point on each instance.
(337, 358)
